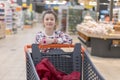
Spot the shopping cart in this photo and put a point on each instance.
(75, 60)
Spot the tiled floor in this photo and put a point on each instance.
(12, 57)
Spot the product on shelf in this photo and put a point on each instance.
(117, 26)
(88, 18)
(92, 27)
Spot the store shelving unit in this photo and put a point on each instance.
(14, 19)
(9, 19)
(2, 24)
(2, 15)
(116, 12)
(74, 18)
(62, 16)
(69, 17)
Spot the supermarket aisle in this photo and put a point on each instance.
(12, 59)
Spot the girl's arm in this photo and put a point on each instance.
(61, 39)
(39, 37)
(64, 38)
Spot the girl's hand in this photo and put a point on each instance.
(48, 41)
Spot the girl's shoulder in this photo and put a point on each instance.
(40, 33)
(58, 32)
(61, 32)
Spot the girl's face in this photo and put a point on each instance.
(49, 21)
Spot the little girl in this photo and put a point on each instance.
(49, 35)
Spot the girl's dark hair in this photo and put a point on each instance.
(50, 12)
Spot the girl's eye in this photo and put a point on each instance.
(47, 19)
(51, 19)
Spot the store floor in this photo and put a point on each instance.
(12, 57)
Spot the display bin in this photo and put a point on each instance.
(76, 60)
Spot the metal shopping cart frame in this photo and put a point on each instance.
(80, 60)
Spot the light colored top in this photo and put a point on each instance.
(59, 35)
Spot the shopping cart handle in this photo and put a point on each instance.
(53, 46)
(56, 46)
(60, 46)
(26, 47)
(50, 46)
